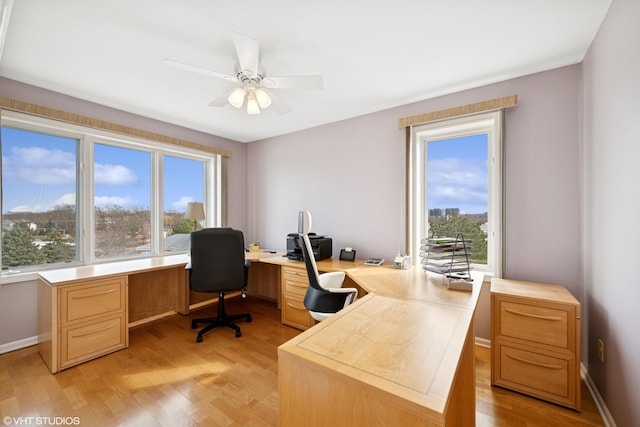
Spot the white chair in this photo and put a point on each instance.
(325, 294)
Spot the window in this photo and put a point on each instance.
(122, 200)
(456, 186)
(180, 188)
(39, 180)
(77, 195)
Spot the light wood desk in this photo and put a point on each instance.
(86, 312)
(402, 355)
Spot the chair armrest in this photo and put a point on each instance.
(247, 263)
(188, 266)
(332, 280)
(351, 292)
(343, 291)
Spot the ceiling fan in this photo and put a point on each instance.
(252, 82)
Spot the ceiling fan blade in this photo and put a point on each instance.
(294, 82)
(222, 100)
(194, 69)
(248, 51)
(278, 105)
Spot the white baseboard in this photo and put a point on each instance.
(17, 345)
(602, 407)
(483, 342)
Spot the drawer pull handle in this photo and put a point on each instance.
(99, 294)
(535, 316)
(297, 307)
(104, 328)
(296, 285)
(530, 362)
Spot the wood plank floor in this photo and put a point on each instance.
(165, 378)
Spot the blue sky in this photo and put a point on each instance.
(39, 172)
(457, 174)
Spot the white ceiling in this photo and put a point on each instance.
(373, 55)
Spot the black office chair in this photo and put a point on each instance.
(325, 294)
(218, 265)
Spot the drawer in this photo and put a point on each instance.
(538, 374)
(87, 341)
(295, 274)
(538, 324)
(98, 298)
(295, 287)
(295, 314)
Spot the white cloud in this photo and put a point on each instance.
(113, 175)
(65, 199)
(105, 201)
(38, 165)
(456, 182)
(28, 208)
(181, 204)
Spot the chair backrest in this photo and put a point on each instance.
(217, 260)
(316, 298)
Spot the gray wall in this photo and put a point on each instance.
(350, 176)
(611, 202)
(18, 304)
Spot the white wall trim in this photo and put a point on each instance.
(483, 342)
(602, 407)
(17, 345)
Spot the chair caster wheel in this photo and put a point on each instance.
(199, 338)
(238, 334)
(249, 319)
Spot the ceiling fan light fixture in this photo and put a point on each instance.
(263, 98)
(237, 97)
(252, 104)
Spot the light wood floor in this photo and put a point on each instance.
(165, 379)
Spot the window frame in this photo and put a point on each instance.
(85, 212)
(490, 123)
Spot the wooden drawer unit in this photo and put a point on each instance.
(535, 336)
(83, 342)
(294, 286)
(80, 303)
(92, 319)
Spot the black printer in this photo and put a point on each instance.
(322, 246)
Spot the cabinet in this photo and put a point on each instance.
(535, 336)
(82, 321)
(294, 286)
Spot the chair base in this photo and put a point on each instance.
(221, 320)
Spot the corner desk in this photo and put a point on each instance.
(402, 354)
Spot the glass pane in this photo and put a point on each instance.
(122, 197)
(457, 191)
(38, 198)
(183, 183)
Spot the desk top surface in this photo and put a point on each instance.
(68, 275)
(397, 348)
